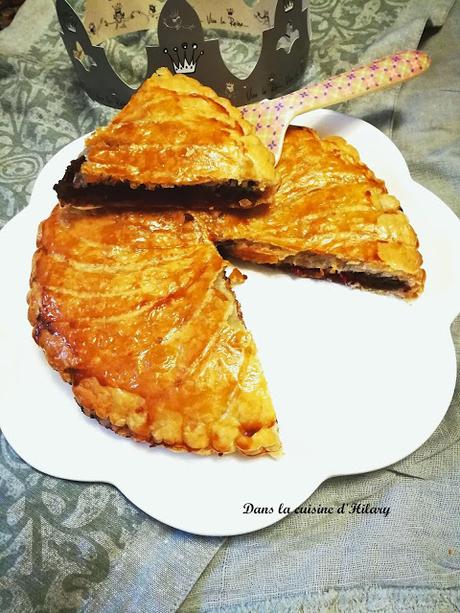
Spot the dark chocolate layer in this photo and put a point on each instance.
(372, 281)
(72, 190)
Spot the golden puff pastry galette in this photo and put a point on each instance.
(332, 219)
(174, 132)
(134, 310)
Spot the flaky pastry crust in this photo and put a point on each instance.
(175, 132)
(332, 218)
(134, 311)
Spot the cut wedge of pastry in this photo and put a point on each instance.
(174, 132)
(332, 219)
(134, 311)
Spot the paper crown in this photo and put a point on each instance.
(282, 24)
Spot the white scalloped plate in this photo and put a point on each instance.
(358, 380)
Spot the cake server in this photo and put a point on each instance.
(272, 117)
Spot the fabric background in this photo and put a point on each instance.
(68, 546)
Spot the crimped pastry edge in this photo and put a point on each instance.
(209, 451)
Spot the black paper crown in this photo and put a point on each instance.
(183, 49)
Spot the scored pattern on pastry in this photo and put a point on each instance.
(133, 309)
(332, 218)
(176, 132)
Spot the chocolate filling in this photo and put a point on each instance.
(364, 279)
(72, 190)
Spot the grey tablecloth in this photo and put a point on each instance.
(69, 546)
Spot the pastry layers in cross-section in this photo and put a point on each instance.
(134, 310)
(332, 218)
(174, 132)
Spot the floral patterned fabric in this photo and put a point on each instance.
(68, 546)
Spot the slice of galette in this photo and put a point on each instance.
(332, 219)
(173, 133)
(134, 310)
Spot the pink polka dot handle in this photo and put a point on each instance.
(271, 117)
